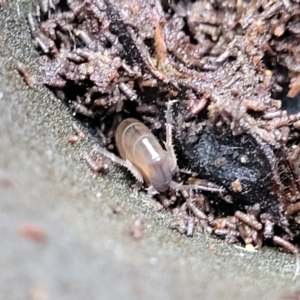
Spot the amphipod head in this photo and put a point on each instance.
(160, 174)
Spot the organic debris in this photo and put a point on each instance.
(234, 66)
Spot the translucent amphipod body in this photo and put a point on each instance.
(144, 157)
(137, 144)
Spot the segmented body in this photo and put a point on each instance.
(137, 144)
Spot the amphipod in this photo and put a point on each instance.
(137, 144)
(143, 155)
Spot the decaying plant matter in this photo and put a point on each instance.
(234, 66)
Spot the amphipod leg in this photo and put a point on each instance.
(210, 187)
(125, 163)
(188, 172)
(169, 139)
(152, 191)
